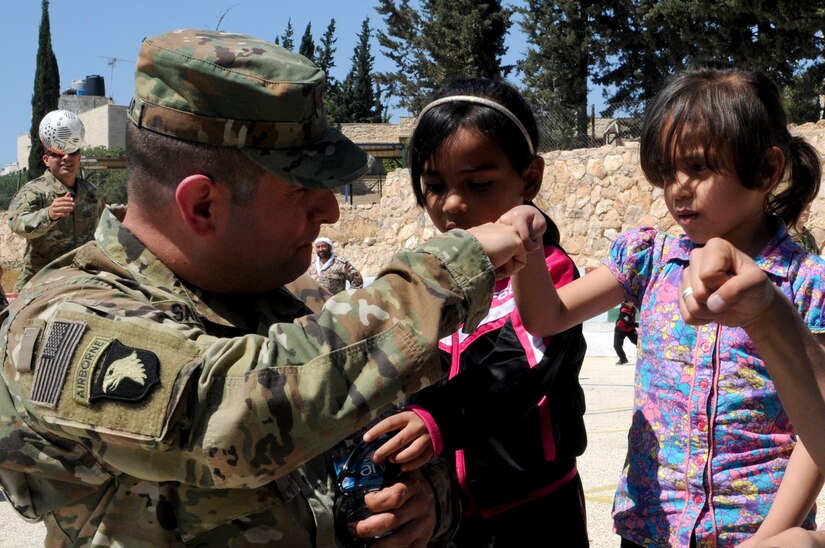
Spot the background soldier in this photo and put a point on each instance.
(331, 271)
(58, 211)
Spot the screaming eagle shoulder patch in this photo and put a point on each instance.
(126, 374)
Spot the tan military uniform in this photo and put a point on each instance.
(47, 240)
(335, 277)
(140, 412)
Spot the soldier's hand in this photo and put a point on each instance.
(504, 245)
(407, 508)
(62, 206)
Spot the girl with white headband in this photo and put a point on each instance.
(511, 416)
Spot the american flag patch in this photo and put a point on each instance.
(62, 338)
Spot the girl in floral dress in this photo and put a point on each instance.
(709, 441)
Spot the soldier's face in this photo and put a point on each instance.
(63, 166)
(269, 241)
(323, 250)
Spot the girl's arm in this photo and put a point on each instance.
(544, 310)
(796, 494)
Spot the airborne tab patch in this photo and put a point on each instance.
(88, 364)
(126, 374)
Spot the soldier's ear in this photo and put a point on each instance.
(195, 197)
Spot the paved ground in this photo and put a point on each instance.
(609, 394)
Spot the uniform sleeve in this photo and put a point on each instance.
(443, 481)
(354, 277)
(492, 393)
(242, 411)
(29, 213)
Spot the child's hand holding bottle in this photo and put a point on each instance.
(411, 446)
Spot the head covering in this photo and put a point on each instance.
(489, 103)
(62, 132)
(323, 240)
(227, 89)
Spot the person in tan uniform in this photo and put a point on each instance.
(162, 387)
(330, 270)
(57, 211)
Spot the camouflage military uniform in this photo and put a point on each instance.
(46, 239)
(335, 277)
(141, 412)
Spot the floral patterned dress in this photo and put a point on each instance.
(709, 440)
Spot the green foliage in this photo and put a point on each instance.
(10, 184)
(285, 40)
(103, 152)
(325, 53)
(358, 99)
(555, 67)
(46, 90)
(111, 183)
(391, 164)
(307, 47)
(439, 41)
(803, 94)
(324, 58)
(642, 42)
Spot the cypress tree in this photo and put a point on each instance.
(325, 59)
(46, 91)
(360, 99)
(307, 47)
(286, 40)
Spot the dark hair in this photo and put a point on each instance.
(442, 122)
(156, 163)
(736, 115)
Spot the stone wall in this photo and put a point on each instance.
(591, 194)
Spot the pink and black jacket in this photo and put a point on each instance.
(512, 409)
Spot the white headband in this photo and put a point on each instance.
(323, 240)
(487, 103)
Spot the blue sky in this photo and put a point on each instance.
(88, 34)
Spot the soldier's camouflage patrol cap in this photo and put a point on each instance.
(226, 89)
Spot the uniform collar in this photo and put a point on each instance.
(128, 253)
(124, 249)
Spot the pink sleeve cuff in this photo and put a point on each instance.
(432, 427)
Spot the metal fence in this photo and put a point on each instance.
(561, 131)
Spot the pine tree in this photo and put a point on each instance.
(324, 58)
(324, 54)
(359, 101)
(286, 40)
(440, 41)
(46, 91)
(642, 42)
(307, 47)
(555, 68)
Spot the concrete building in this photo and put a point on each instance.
(105, 122)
